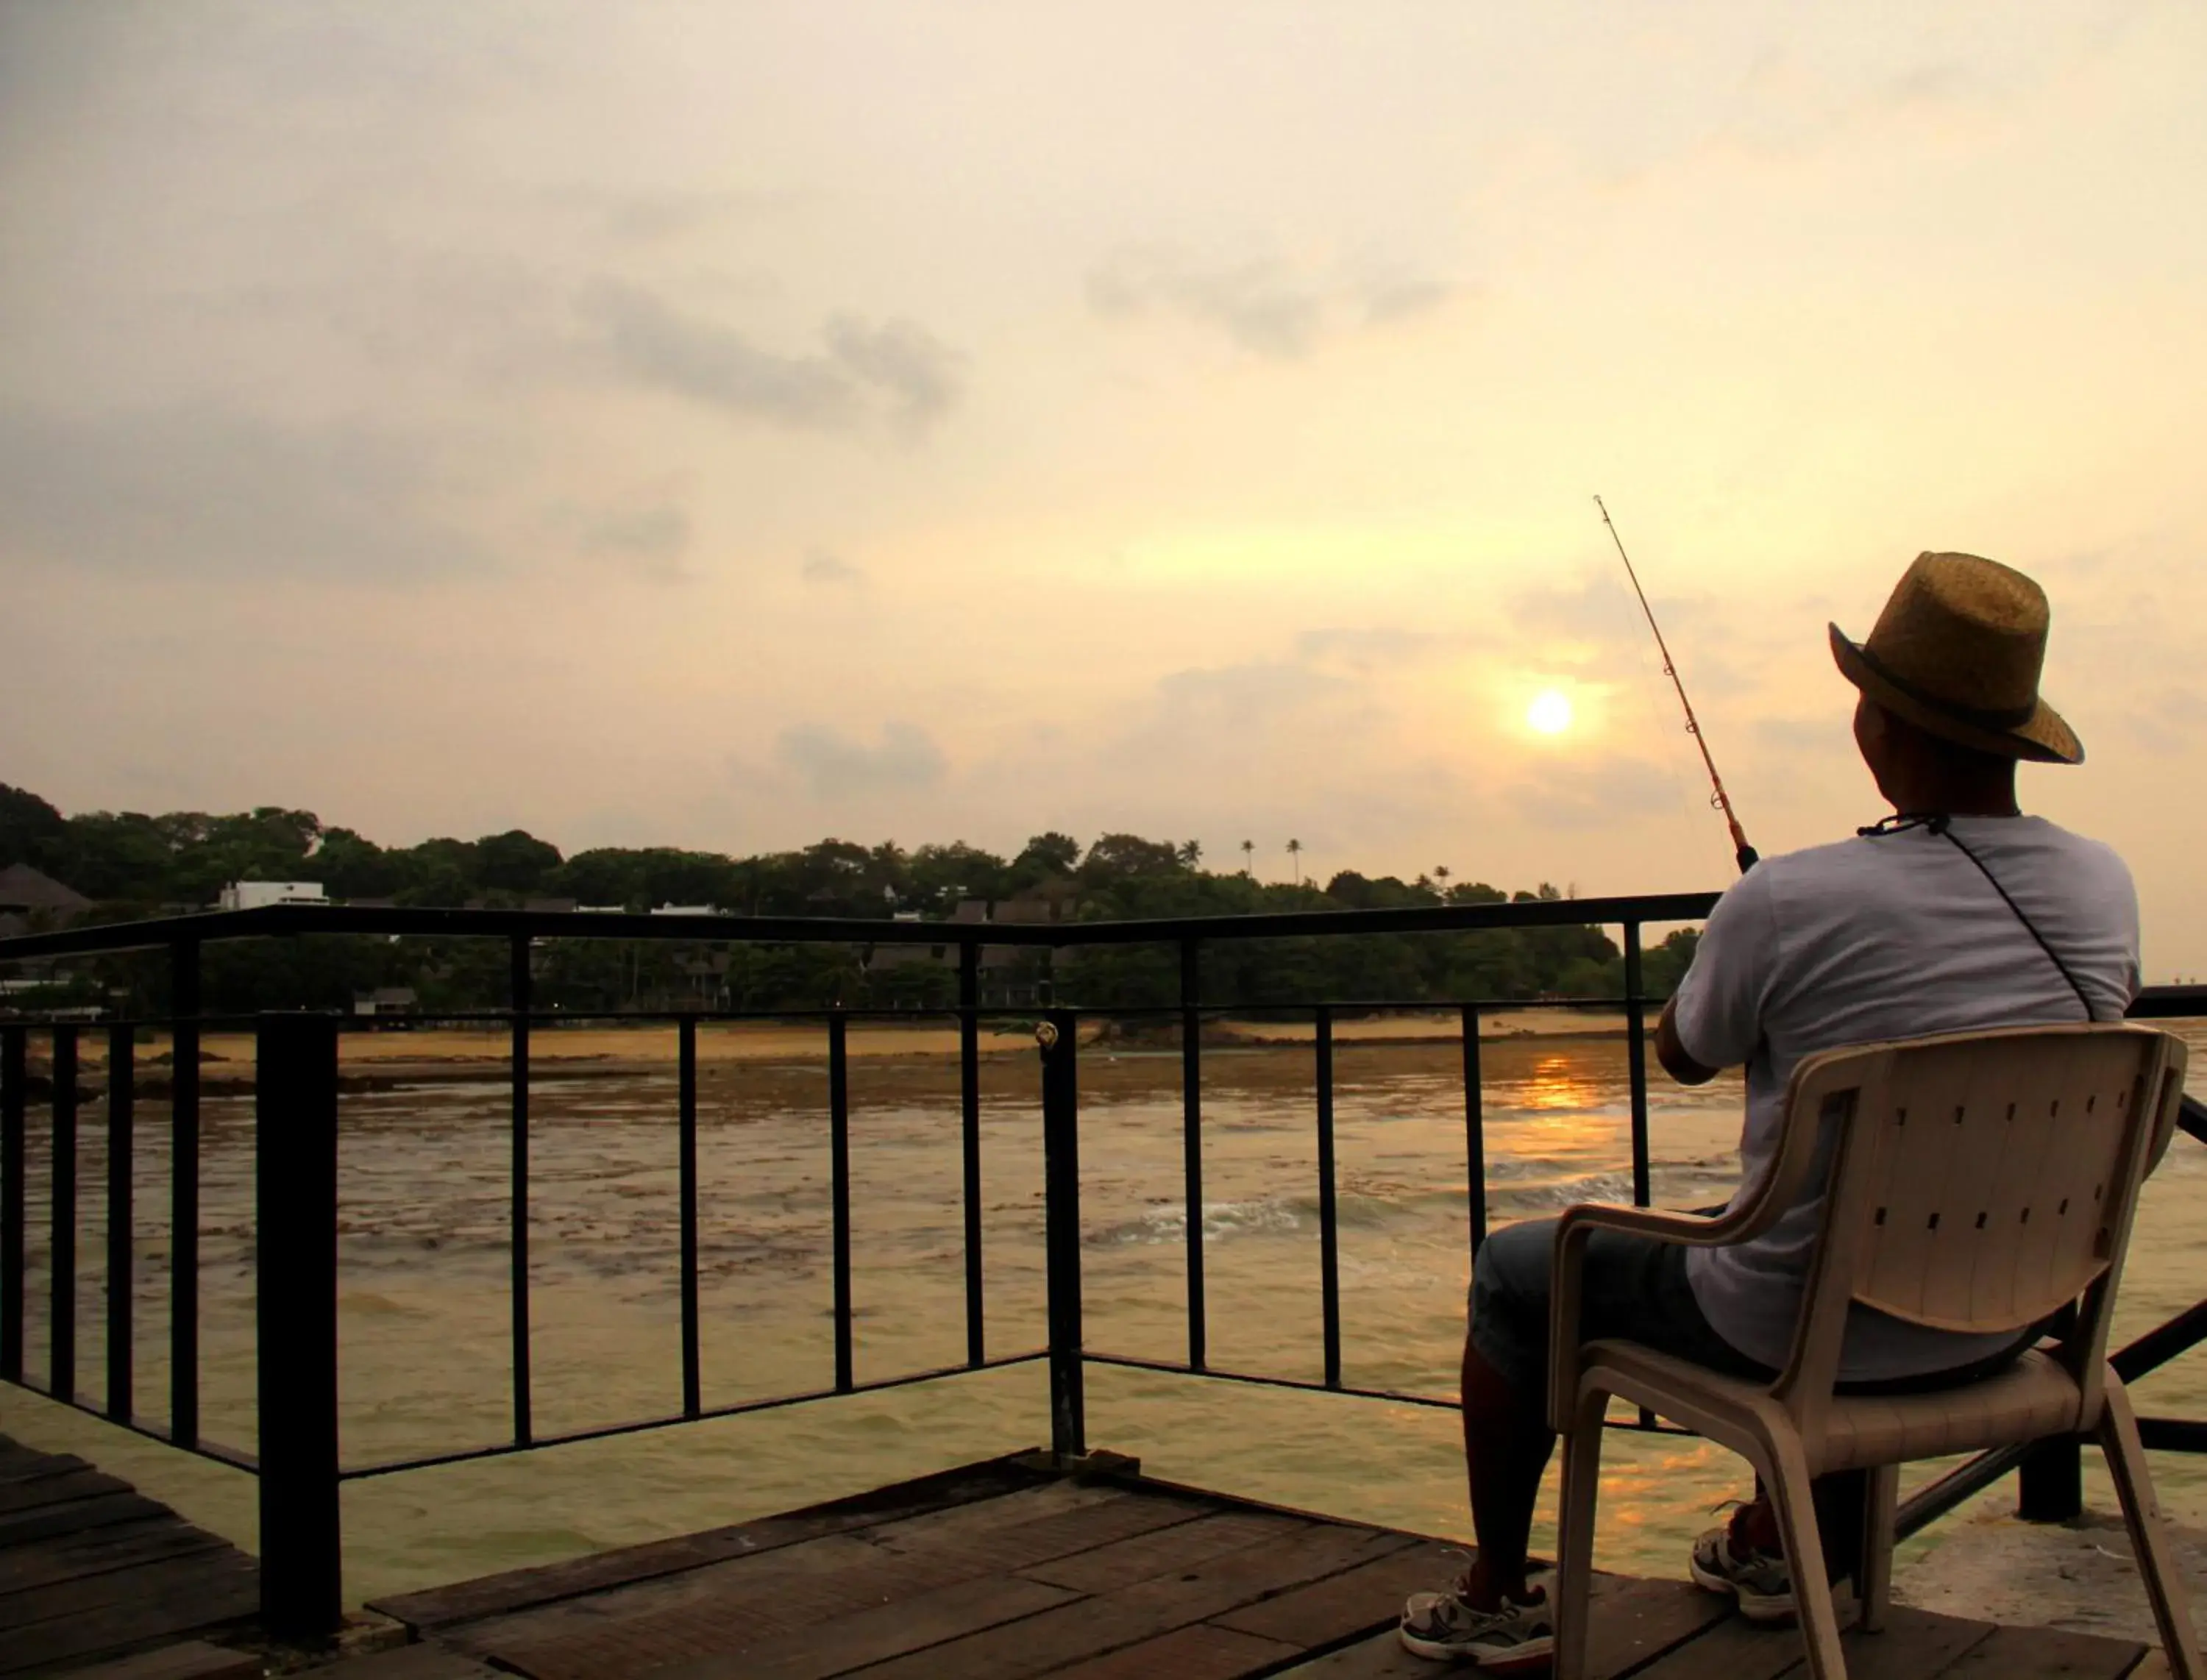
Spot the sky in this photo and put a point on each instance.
(729, 425)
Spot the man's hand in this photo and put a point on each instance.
(1672, 1054)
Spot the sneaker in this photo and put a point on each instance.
(1759, 1580)
(1442, 1627)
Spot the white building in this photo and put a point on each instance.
(259, 894)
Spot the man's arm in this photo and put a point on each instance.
(1672, 1054)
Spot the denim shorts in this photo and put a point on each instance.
(1633, 1287)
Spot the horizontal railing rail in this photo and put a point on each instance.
(295, 1091)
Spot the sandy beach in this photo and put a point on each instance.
(477, 1052)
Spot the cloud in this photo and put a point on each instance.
(823, 567)
(896, 372)
(836, 765)
(1581, 794)
(656, 534)
(1262, 305)
(200, 490)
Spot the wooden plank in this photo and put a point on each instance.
(1105, 1568)
(2053, 1653)
(25, 1465)
(752, 1597)
(1027, 1504)
(854, 1639)
(1913, 1645)
(96, 1596)
(1204, 1652)
(31, 1492)
(162, 1617)
(745, 1600)
(1378, 1657)
(47, 1522)
(98, 1551)
(411, 1662)
(195, 1660)
(513, 1589)
(1357, 1601)
(1733, 1648)
(1640, 1620)
(1632, 1623)
(1096, 1626)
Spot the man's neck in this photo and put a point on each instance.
(1945, 800)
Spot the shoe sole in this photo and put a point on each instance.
(1533, 1653)
(1760, 1608)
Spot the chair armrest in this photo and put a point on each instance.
(1576, 1226)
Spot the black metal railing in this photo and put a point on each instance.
(296, 1097)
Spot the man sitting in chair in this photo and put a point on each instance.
(1956, 914)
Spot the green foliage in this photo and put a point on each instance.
(133, 862)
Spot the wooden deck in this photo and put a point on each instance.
(90, 1567)
(1002, 1570)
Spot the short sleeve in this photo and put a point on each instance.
(1719, 1006)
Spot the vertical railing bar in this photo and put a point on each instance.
(518, 995)
(1329, 1226)
(1635, 1058)
(1475, 1132)
(14, 1074)
(61, 1309)
(1636, 1051)
(839, 1146)
(1191, 1081)
(295, 1287)
(969, 1120)
(184, 1194)
(1060, 1156)
(692, 1382)
(122, 1219)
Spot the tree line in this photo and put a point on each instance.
(135, 864)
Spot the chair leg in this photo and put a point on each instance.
(2157, 1564)
(1575, 1535)
(1873, 1570)
(1792, 1493)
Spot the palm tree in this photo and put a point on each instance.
(1248, 856)
(1441, 875)
(1295, 858)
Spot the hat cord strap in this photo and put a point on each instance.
(1941, 823)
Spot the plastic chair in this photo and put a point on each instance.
(1974, 1182)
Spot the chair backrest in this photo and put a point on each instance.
(1978, 1182)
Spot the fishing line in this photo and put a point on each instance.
(1742, 853)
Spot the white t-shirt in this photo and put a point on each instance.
(1886, 936)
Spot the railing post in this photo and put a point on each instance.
(1329, 1217)
(14, 1071)
(1635, 1054)
(296, 1200)
(1191, 1101)
(121, 1220)
(2049, 1483)
(1475, 1132)
(60, 1304)
(519, 987)
(838, 1190)
(184, 1194)
(969, 1117)
(686, 1192)
(1061, 1155)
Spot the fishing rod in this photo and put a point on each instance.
(1721, 800)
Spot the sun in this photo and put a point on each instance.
(1549, 713)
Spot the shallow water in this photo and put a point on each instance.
(424, 1261)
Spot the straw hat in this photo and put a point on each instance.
(1957, 652)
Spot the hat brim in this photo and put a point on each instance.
(2044, 738)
